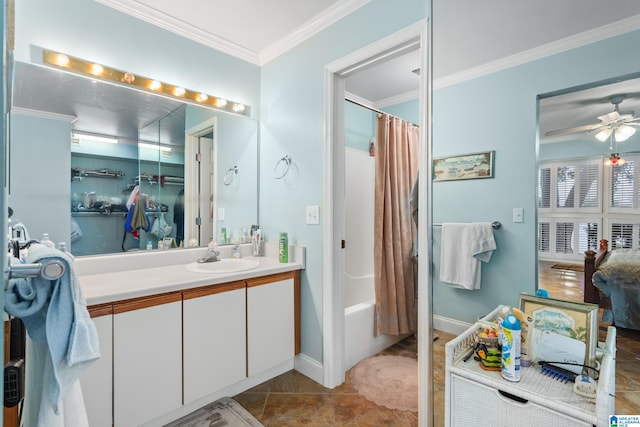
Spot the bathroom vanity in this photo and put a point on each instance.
(173, 340)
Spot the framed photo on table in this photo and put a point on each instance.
(565, 322)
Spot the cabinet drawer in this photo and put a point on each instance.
(475, 404)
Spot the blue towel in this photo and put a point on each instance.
(54, 313)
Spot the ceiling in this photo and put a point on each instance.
(485, 34)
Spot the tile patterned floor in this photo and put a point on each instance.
(292, 399)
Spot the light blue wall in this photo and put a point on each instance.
(292, 123)
(498, 112)
(92, 31)
(359, 126)
(585, 148)
(39, 186)
(409, 110)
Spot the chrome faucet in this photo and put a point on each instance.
(213, 254)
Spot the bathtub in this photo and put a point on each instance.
(360, 343)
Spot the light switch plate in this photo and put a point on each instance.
(220, 214)
(518, 215)
(313, 215)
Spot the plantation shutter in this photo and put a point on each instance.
(623, 182)
(565, 181)
(544, 187)
(589, 191)
(544, 237)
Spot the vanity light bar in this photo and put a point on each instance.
(94, 70)
(154, 146)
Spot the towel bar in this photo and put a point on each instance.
(496, 225)
(50, 270)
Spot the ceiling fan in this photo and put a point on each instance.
(620, 124)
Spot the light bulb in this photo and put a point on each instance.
(221, 102)
(97, 69)
(129, 77)
(62, 60)
(603, 134)
(238, 108)
(179, 91)
(202, 97)
(624, 132)
(155, 85)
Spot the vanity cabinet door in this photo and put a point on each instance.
(215, 341)
(147, 358)
(96, 382)
(272, 324)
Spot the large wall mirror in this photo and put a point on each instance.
(195, 168)
(588, 153)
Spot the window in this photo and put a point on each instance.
(624, 186)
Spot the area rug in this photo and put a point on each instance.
(225, 412)
(390, 381)
(573, 267)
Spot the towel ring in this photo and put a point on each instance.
(231, 173)
(287, 160)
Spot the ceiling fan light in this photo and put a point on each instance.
(624, 132)
(603, 134)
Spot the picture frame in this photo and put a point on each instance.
(575, 320)
(467, 166)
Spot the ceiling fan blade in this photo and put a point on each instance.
(577, 129)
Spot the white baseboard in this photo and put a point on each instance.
(309, 367)
(451, 326)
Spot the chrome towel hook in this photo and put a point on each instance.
(231, 173)
(284, 169)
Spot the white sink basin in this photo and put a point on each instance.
(225, 265)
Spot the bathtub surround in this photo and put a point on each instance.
(396, 171)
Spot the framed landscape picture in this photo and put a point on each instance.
(467, 166)
(566, 325)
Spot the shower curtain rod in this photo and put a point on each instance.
(375, 110)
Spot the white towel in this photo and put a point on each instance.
(463, 247)
(483, 243)
(63, 338)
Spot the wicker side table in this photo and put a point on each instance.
(474, 396)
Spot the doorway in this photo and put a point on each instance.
(412, 37)
(200, 158)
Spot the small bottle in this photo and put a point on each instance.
(149, 245)
(283, 248)
(47, 241)
(511, 331)
(223, 236)
(62, 247)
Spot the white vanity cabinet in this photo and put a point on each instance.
(96, 382)
(147, 358)
(214, 338)
(272, 313)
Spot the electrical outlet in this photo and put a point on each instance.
(313, 215)
(518, 215)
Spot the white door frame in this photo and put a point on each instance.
(191, 193)
(333, 206)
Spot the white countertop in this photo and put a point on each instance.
(121, 282)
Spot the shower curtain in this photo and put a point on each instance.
(397, 152)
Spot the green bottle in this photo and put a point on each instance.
(283, 248)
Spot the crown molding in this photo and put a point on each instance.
(578, 40)
(358, 99)
(398, 99)
(43, 114)
(310, 28)
(302, 33)
(169, 23)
